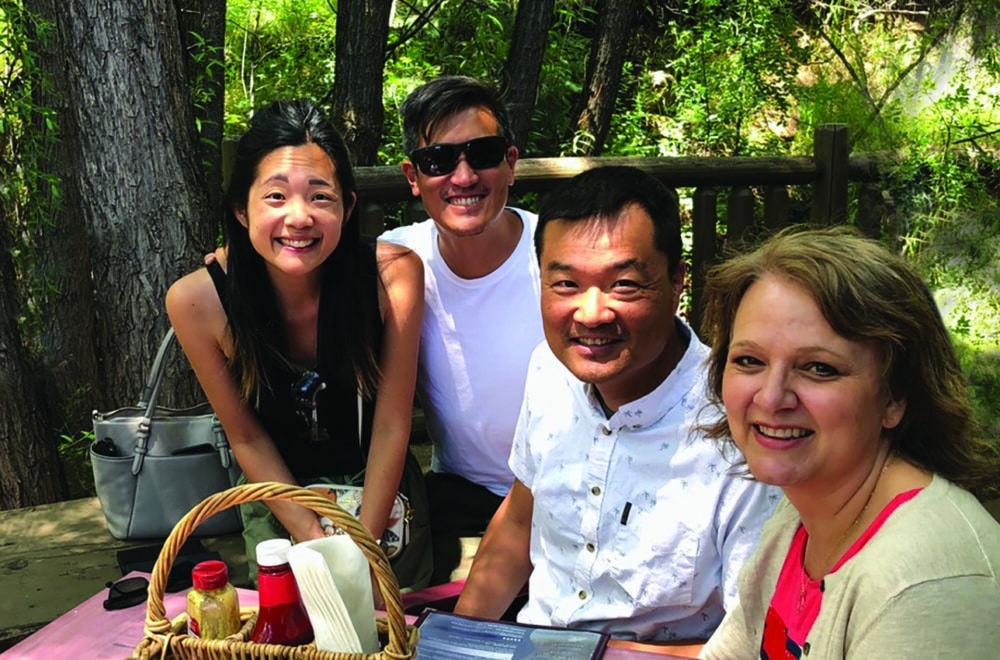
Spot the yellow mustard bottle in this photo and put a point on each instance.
(213, 607)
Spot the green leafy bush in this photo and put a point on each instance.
(275, 49)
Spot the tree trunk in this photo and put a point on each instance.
(60, 285)
(356, 97)
(524, 64)
(604, 73)
(203, 32)
(131, 152)
(29, 465)
(88, 281)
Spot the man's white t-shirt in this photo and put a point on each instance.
(475, 342)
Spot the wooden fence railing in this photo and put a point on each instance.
(746, 183)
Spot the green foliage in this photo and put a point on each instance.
(28, 194)
(454, 38)
(959, 258)
(206, 60)
(280, 49)
(275, 49)
(981, 366)
(708, 80)
(920, 85)
(74, 453)
(467, 37)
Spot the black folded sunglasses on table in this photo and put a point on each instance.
(126, 592)
(481, 154)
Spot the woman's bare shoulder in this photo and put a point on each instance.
(387, 250)
(194, 289)
(397, 261)
(192, 302)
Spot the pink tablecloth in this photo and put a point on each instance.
(89, 631)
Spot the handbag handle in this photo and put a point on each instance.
(148, 401)
(152, 388)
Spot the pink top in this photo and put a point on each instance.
(798, 598)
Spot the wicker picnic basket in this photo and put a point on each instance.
(169, 639)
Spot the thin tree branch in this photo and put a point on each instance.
(878, 105)
(408, 32)
(973, 138)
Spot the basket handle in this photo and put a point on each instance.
(156, 621)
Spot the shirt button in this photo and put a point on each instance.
(595, 490)
(605, 430)
(582, 594)
(590, 547)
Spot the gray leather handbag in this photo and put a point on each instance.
(153, 464)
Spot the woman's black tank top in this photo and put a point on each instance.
(334, 448)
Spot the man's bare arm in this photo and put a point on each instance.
(502, 564)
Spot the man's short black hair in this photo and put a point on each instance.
(443, 97)
(603, 193)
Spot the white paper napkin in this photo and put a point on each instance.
(333, 577)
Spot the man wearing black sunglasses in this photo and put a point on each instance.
(481, 311)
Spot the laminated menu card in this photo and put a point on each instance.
(449, 636)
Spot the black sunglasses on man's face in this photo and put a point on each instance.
(481, 154)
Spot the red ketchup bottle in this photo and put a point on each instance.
(282, 617)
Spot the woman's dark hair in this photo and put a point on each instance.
(347, 310)
(867, 294)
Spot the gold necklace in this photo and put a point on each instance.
(840, 540)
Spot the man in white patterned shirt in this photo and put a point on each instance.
(621, 518)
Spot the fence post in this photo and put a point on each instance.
(775, 207)
(831, 151)
(372, 216)
(704, 246)
(739, 214)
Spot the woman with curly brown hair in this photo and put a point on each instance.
(840, 385)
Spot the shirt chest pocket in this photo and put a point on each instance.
(655, 561)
